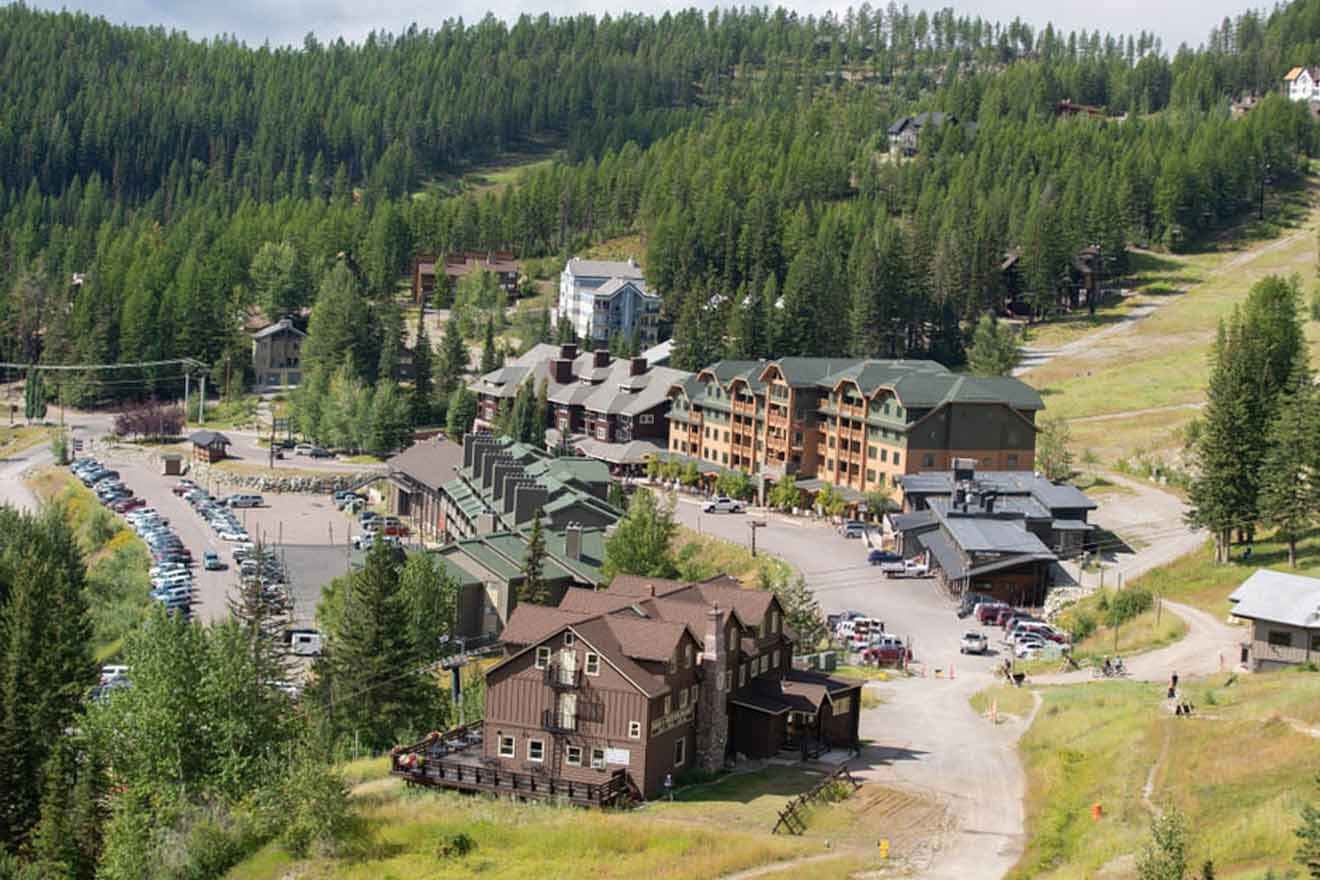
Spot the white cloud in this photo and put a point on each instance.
(287, 21)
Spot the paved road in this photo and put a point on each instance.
(926, 737)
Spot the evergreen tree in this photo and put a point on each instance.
(1221, 493)
(461, 413)
(391, 341)
(534, 590)
(430, 600)
(370, 682)
(541, 413)
(1308, 851)
(1288, 501)
(388, 421)
(422, 390)
(454, 359)
(995, 350)
(802, 612)
(1053, 457)
(489, 356)
(340, 326)
(642, 541)
(278, 282)
(1164, 857)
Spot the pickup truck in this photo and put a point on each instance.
(906, 568)
(722, 504)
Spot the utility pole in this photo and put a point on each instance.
(201, 403)
(186, 376)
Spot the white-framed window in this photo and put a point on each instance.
(843, 705)
(569, 638)
(598, 759)
(683, 698)
(573, 756)
(680, 751)
(508, 748)
(774, 658)
(634, 730)
(592, 664)
(765, 662)
(536, 750)
(542, 657)
(774, 624)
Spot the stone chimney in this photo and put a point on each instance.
(573, 541)
(600, 357)
(713, 700)
(637, 366)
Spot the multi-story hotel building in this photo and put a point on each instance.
(857, 424)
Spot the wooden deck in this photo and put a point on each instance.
(455, 760)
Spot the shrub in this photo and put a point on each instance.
(454, 845)
(1127, 604)
(1080, 625)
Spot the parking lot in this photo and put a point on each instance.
(308, 525)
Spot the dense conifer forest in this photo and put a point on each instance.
(184, 183)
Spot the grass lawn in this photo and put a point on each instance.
(1145, 632)
(704, 556)
(401, 832)
(1009, 700)
(21, 437)
(1160, 361)
(865, 673)
(1097, 743)
(117, 560)
(1197, 580)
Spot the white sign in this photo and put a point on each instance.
(617, 756)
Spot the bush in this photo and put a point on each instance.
(1127, 604)
(454, 845)
(1080, 625)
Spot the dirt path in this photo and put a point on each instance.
(1149, 411)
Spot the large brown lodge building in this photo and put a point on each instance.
(620, 690)
(856, 424)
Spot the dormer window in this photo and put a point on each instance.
(569, 639)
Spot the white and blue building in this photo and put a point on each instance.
(600, 298)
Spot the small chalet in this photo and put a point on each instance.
(210, 446)
(905, 134)
(1071, 108)
(1302, 84)
(615, 691)
(277, 354)
(457, 266)
(1284, 610)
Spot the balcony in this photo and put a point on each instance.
(559, 722)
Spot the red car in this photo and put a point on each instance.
(183, 487)
(124, 505)
(987, 612)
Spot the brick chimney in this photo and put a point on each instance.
(601, 357)
(637, 366)
(713, 701)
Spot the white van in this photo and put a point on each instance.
(245, 501)
(305, 642)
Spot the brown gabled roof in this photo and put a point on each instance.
(751, 605)
(586, 601)
(1293, 74)
(598, 633)
(639, 585)
(693, 614)
(646, 639)
(532, 623)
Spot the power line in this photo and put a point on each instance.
(133, 365)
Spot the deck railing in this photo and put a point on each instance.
(490, 777)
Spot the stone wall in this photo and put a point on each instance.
(220, 479)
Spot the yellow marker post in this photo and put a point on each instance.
(884, 847)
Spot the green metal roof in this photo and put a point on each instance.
(452, 569)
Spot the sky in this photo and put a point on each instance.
(288, 21)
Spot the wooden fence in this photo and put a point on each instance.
(790, 817)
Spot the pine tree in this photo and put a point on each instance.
(1221, 493)
(489, 356)
(374, 688)
(422, 390)
(1308, 851)
(391, 341)
(430, 600)
(1288, 500)
(541, 413)
(454, 359)
(994, 350)
(1164, 856)
(534, 590)
(263, 611)
(461, 413)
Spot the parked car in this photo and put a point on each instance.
(973, 643)
(183, 487)
(723, 504)
(244, 500)
(124, 505)
(318, 452)
(970, 602)
(302, 449)
(1029, 648)
(876, 557)
(885, 649)
(853, 529)
(211, 561)
(986, 612)
(833, 620)
(234, 535)
(304, 642)
(390, 525)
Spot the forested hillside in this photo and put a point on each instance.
(180, 181)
